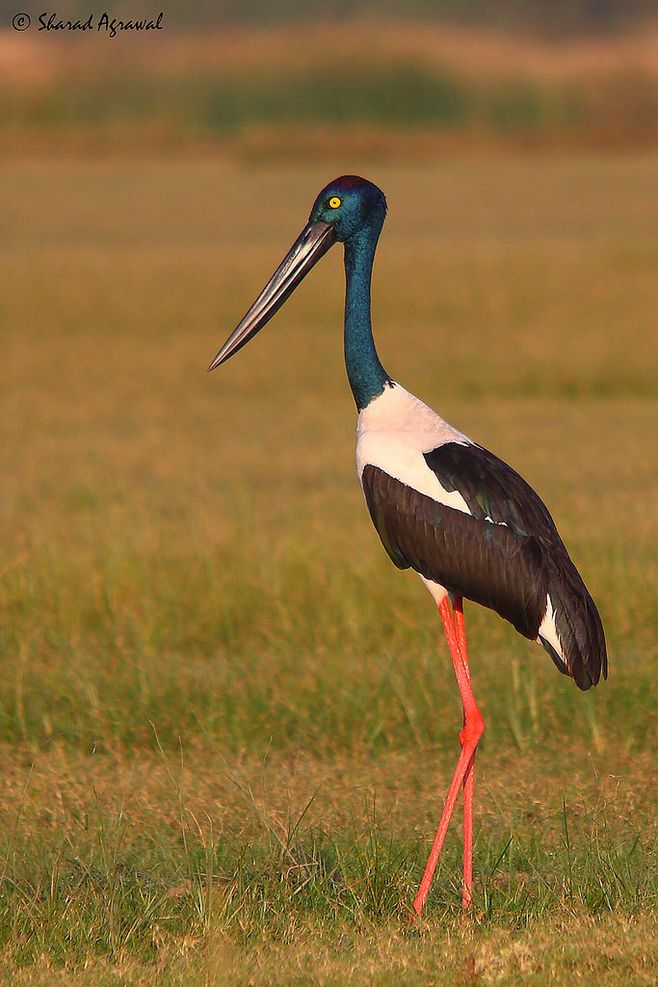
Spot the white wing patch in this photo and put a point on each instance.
(491, 521)
(548, 629)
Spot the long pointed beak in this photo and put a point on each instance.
(311, 244)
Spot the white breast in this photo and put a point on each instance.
(394, 431)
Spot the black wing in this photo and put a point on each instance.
(493, 490)
(488, 563)
(506, 554)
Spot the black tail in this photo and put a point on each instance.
(578, 625)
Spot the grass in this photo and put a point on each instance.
(226, 721)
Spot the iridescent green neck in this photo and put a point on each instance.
(366, 375)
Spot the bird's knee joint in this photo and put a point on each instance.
(472, 729)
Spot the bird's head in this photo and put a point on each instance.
(345, 209)
(351, 205)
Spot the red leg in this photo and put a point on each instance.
(469, 784)
(469, 777)
(469, 738)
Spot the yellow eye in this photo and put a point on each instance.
(334, 202)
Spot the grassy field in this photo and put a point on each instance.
(226, 721)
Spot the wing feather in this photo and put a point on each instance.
(485, 562)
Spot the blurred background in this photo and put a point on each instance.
(254, 77)
(211, 673)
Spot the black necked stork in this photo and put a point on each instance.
(464, 520)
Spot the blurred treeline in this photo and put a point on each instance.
(556, 18)
(260, 77)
